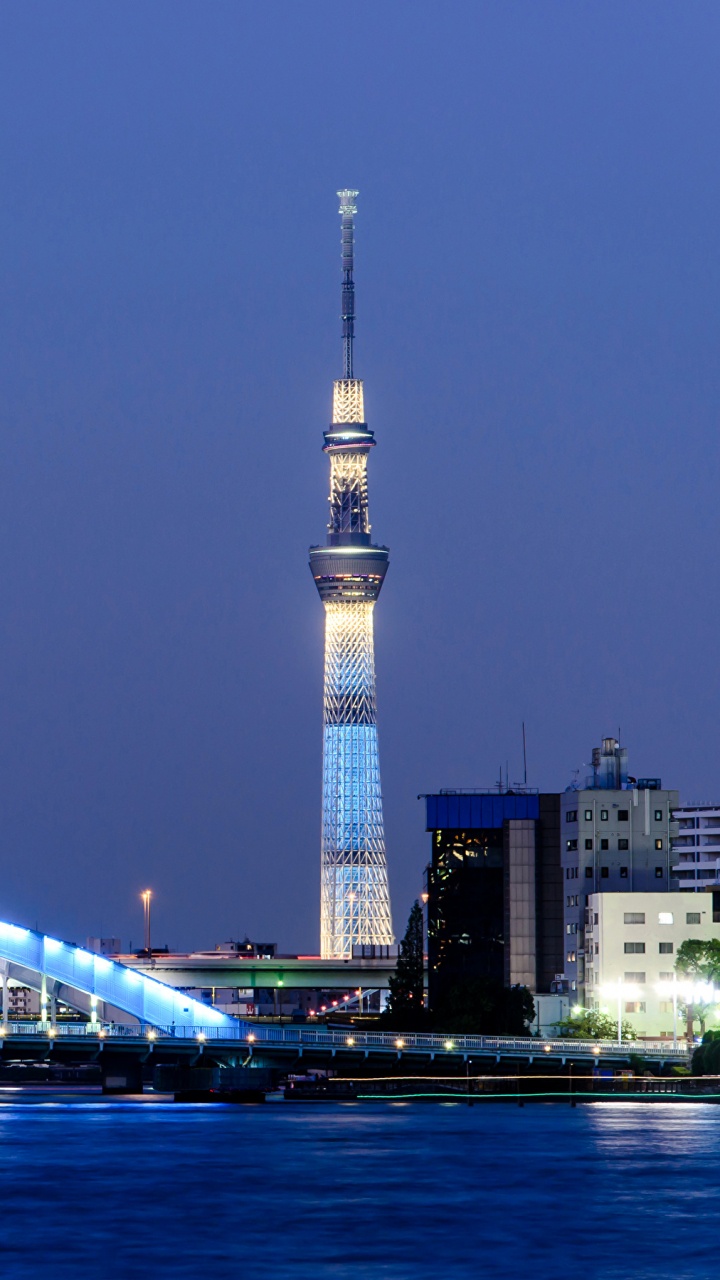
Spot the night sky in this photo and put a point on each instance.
(537, 293)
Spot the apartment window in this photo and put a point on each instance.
(604, 844)
(665, 917)
(571, 928)
(623, 873)
(623, 844)
(571, 815)
(634, 977)
(666, 948)
(623, 815)
(603, 815)
(667, 977)
(658, 844)
(588, 844)
(634, 1006)
(572, 956)
(571, 845)
(635, 948)
(588, 815)
(604, 872)
(588, 873)
(666, 1006)
(597, 917)
(658, 815)
(634, 917)
(658, 873)
(692, 917)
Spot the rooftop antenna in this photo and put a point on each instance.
(524, 756)
(348, 208)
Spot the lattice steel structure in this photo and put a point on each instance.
(349, 572)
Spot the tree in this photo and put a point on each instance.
(706, 1058)
(484, 1007)
(407, 984)
(699, 961)
(591, 1024)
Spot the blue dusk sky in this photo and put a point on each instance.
(537, 291)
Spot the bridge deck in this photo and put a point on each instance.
(283, 1043)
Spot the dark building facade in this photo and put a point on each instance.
(494, 884)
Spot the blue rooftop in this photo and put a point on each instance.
(458, 812)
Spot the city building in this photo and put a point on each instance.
(494, 890)
(696, 847)
(631, 943)
(104, 946)
(616, 838)
(349, 572)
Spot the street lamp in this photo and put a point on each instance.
(622, 990)
(671, 988)
(146, 895)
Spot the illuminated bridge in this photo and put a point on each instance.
(93, 984)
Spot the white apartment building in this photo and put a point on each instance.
(631, 941)
(696, 847)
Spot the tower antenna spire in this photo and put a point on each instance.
(348, 209)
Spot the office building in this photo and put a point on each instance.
(494, 890)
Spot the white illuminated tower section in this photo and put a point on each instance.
(349, 573)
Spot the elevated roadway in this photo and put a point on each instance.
(223, 969)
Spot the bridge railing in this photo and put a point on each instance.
(256, 1035)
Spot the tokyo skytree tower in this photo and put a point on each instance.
(349, 573)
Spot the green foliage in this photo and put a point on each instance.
(406, 1002)
(591, 1024)
(699, 959)
(706, 1058)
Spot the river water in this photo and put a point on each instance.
(359, 1191)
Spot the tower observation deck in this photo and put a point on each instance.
(349, 572)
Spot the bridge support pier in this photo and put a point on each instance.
(121, 1074)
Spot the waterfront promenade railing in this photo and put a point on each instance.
(256, 1036)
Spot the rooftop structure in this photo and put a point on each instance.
(349, 572)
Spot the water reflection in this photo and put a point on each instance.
(358, 1191)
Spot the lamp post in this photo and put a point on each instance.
(146, 896)
(622, 990)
